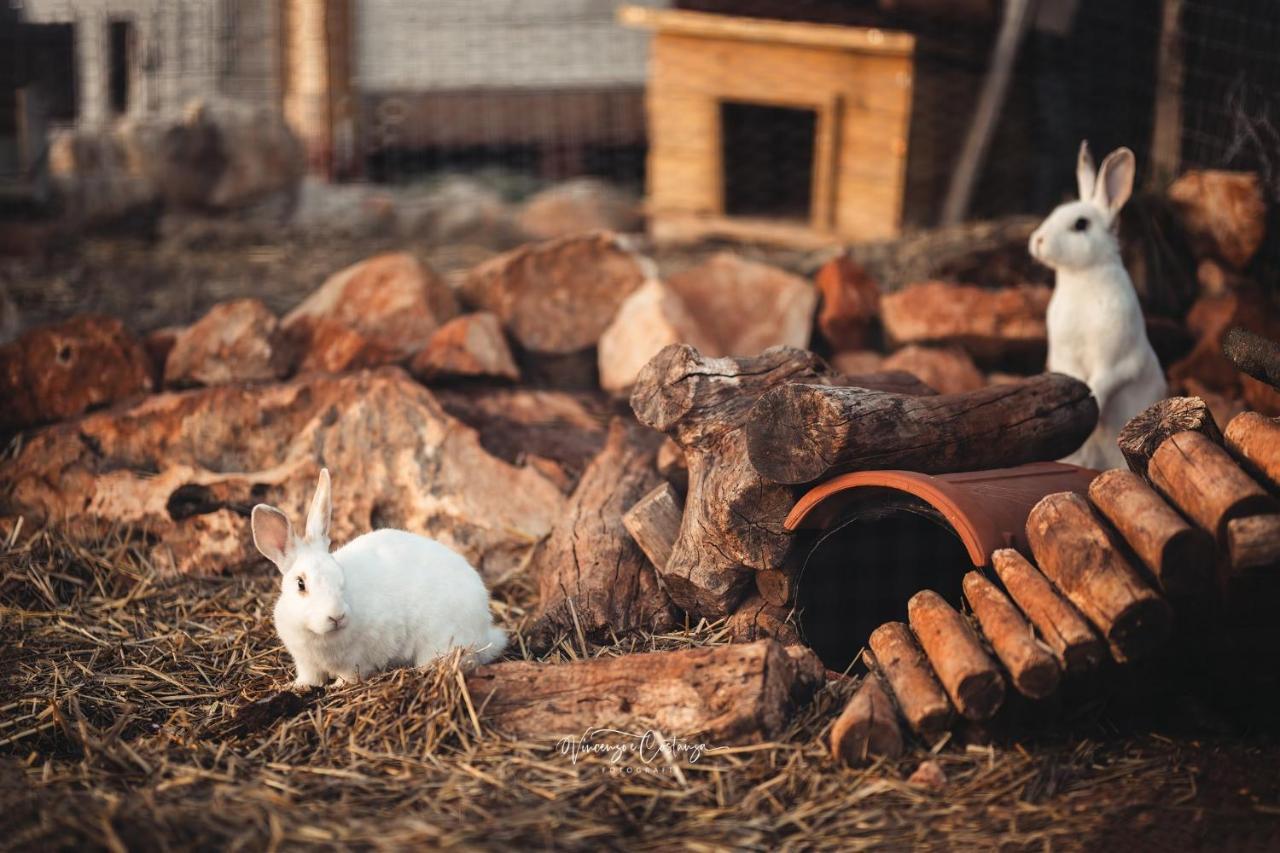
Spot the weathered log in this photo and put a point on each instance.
(897, 657)
(867, 727)
(1032, 668)
(801, 433)
(1253, 541)
(733, 518)
(775, 586)
(1179, 555)
(592, 577)
(1075, 551)
(654, 522)
(1254, 439)
(1202, 480)
(740, 693)
(756, 619)
(969, 675)
(1057, 621)
(1254, 354)
(1147, 430)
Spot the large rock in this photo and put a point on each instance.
(725, 306)
(743, 307)
(578, 206)
(1224, 213)
(58, 372)
(381, 310)
(557, 297)
(187, 468)
(948, 370)
(237, 341)
(993, 325)
(470, 346)
(850, 312)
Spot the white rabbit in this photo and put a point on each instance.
(1096, 330)
(387, 598)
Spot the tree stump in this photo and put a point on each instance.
(1075, 552)
(801, 433)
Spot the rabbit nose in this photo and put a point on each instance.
(338, 620)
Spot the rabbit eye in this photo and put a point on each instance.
(1081, 224)
(302, 585)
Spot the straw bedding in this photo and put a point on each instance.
(143, 712)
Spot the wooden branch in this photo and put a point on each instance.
(1253, 354)
(1147, 430)
(733, 518)
(1254, 439)
(801, 433)
(1059, 624)
(654, 522)
(1032, 668)
(591, 575)
(969, 675)
(1201, 479)
(895, 655)
(867, 727)
(1178, 555)
(1253, 541)
(726, 694)
(1075, 551)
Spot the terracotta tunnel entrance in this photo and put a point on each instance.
(873, 539)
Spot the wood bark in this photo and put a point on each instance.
(969, 675)
(654, 522)
(592, 576)
(672, 465)
(897, 657)
(1031, 666)
(889, 381)
(1202, 480)
(1253, 541)
(867, 727)
(1254, 439)
(801, 433)
(741, 693)
(1075, 551)
(733, 518)
(1177, 554)
(1253, 354)
(1147, 430)
(756, 619)
(1059, 624)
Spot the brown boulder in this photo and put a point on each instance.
(948, 370)
(58, 372)
(578, 206)
(1224, 213)
(742, 307)
(381, 310)
(993, 325)
(187, 467)
(237, 341)
(468, 346)
(557, 297)
(850, 310)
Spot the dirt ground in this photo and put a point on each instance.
(122, 727)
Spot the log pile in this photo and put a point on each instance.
(1099, 590)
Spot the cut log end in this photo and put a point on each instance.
(1140, 629)
(868, 726)
(1147, 430)
(1254, 439)
(1253, 542)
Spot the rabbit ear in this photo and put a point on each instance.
(272, 534)
(1115, 180)
(321, 509)
(1086, 174)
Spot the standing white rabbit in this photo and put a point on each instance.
(387, 598)
(1096, 330)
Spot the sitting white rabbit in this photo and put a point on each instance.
(1096, 329)
(387, 598)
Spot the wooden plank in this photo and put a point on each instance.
(677, 21)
